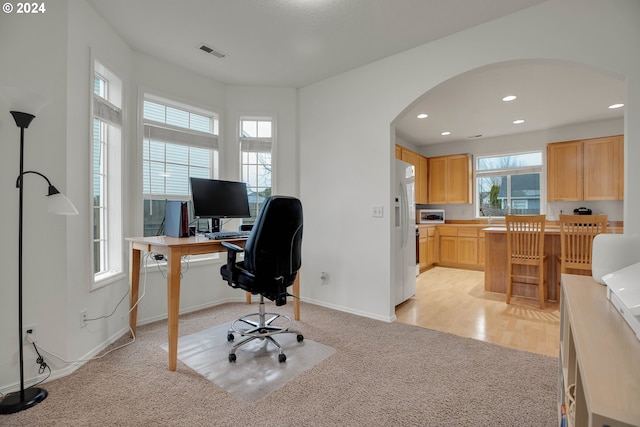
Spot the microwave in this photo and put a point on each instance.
(430, 216)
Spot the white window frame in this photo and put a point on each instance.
(509, 172)
(258, 143)
(109, 111)
(166, 135)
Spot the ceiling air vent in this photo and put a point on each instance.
(212, 51)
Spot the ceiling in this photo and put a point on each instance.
(295, 43)
(549, 95)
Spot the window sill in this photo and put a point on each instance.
(106, 278)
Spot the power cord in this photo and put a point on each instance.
(144, 290)
(159, 257)
(40, 361)
(133, 339)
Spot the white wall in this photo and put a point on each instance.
(33, 51)
(51, 54)
(346, 149)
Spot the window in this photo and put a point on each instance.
(509, 184)
(256, 140)
(106, 174)
(179, 142)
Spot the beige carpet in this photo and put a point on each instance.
(381, 374)
(257, 371)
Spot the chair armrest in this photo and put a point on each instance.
(232, 247)
(232, 251)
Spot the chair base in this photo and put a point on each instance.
(257, 326)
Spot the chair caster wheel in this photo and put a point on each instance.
(232, 358)
(300, 337)
(282, 358)
(230, 337)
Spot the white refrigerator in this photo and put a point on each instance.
(404, 236)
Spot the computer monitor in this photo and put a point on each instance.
(214, 198)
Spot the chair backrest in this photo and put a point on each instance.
(576, 239)
(525, 237)
(274, 246)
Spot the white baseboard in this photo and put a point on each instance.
(349, 310)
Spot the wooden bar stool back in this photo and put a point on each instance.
(525, 247)
(576, 241)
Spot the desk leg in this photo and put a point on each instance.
(296, 301)
(247, 297)
(173, 303)
(134, 284)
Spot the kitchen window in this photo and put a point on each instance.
(509, 184)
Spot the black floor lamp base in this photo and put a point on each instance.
(13, 403)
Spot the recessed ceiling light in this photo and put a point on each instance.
(614, 106)
(509, 98)
(422, 116)
(445, 133)
(517, 122)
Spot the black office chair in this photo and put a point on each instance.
(272, 258)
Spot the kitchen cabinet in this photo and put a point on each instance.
(450, 179)
(432, 241)
(590, 169)
(564, 171)
(421, 180)
(448, 245)
(420, 165)
(468, 246)
(422, 249)
(458, 246)
(426, 246)
(603, 168)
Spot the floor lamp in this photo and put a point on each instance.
(23, 107)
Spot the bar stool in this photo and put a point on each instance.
(525, 248)
(576, 241)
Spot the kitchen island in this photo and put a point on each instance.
(496, 275)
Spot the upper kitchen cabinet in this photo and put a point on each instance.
(450, 179)
(420, 166)
(590, 169)
(604, 168)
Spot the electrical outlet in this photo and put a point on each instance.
(324, 277)
(31, 330)
(83, 318)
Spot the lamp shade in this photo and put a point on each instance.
(22, 100)
(59, 204)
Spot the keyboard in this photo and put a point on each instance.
(221, 235)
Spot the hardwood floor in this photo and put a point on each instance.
(454, 301)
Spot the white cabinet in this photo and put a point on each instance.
(599, 369)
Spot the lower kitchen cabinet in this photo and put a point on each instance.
(459, 246)
(427, 247)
